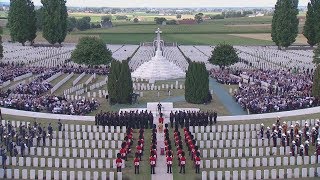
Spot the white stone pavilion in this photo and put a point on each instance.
(158, 68)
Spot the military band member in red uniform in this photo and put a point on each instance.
(119, 162)
(169, 163)
(136, 163)
(183, 163)
(152, 163)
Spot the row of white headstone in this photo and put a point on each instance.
(56, 174)
(259, 162)
(71, 163)
(152, 87)
(59, 84)
(74, 128)
(243, 127)
(289, 173)
(73, 89)
(97, 85)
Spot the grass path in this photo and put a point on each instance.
(57, 80)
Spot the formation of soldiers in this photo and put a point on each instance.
(15, 140)
(132, 119)
(298, 137)
(192, 118)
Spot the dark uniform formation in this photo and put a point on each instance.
(132, 119)
(16, 140)
(297, 137)
(192, 118)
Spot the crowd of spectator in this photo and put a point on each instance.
(34, 96)
(271, 90)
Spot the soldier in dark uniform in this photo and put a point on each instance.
(301, 150)
(215, 115)
(274, 137)
(210, 118)
(306, 148)
(59, 125)
(171, 119)
(261, 131)
(293, 148)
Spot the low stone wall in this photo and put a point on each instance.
(6, 111)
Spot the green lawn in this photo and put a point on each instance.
(207, 33)
(183, 39)
(214, 27)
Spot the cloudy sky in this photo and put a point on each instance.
(172, 3)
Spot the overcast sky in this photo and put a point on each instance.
(172, 3)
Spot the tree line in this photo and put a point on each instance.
(285, 23)
(23, 21)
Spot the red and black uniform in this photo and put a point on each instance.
(197, 162)
(119, 164)
(183, 164)
(136, 163)
(161, 120)
(152, 164)
(123, 153)
(169, 164)
(139, 151)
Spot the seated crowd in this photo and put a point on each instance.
(10, 71)
(33, 96)
(273, 91)
(226, 76)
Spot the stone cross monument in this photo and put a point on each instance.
(158, 50)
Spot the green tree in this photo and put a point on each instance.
(285, 23)
(159, 20)
(21, 21)
(72, 23)
(91, 51)
(135, 20)
(39, 17)
(179, 16)
(125, 84)
(113, 85)
(316, 57)
(197, 84)
(312, 25)
(199, 18)
(1, 47)
(316, 83)
(224, 55)
(32, 22)
(106, 18)
(54, 20)
(83, 24)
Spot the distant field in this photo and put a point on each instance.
(183, 39)
(140, 16)
(300, 39)
(207, 33)
(235, 31)
(208, 27)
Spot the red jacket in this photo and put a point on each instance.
(119, 162)
(183, 160)
(152, 160)
(169, 160)
(136, 161)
